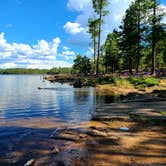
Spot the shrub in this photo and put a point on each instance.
(144, 82)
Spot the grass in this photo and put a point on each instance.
(144, 82)
(127, 82)
(163, 113)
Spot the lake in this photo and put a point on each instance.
(20, 98)
(28, 115)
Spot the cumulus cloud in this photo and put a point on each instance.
(8, 65)
(73, 28)
(66, 48)
(78, 5)
(84, 7)
(67, 54)
(41, 55)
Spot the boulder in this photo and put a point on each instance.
(96, 133)
(68, 134)
(30, 162)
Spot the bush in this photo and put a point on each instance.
(145, 82)
(104, 80)
(121, 82)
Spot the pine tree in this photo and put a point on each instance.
(99, 7)
(93, 30)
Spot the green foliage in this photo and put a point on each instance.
(99, 7)
(146, 82)
(23, 71)
(142, 39)
(121, 82)
(82, 65)
(64, 70)
(104, 80)
(93, 29)
(112, 55)
(163, 113)
(138, 82)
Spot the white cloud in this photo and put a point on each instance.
(41, 55)
(84, 7)
(67, 54)
(90, 52)
(47, 64)
(162, 9)
(78, 5)
(8, 65)
(66, 48)
(73, 28)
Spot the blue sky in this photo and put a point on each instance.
(49, 33)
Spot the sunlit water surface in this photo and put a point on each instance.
(21, 99)
(29, 115)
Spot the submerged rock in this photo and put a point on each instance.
(68, 134)
(96, 133)
(30, 162)
(78, 84)
(55, 150)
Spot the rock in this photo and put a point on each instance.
(30, 162)
(110, 117)
(55, 150)
(78, 84)
(109, 141)
(92, 143)
(124, 129)
(67, 134)
(96, 133)
(13, 157)
(82, 136)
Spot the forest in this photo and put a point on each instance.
(139, 44)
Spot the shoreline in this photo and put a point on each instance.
(97, 142)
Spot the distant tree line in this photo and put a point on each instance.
(61, 70)
(139, 43)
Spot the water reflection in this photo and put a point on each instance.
(21, 98)
(100, 98)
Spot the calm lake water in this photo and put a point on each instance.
(21, 99)
(28, 116)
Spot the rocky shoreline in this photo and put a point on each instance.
(125, 133)
(129, 132)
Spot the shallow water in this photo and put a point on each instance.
(20, 98)
(28, 115)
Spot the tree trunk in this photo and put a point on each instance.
(130, 66)
(154, 45)
(138, 42)
(98, 54)
(94, 55)
(153, 58)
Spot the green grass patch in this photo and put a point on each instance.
(144, 82)
(121, 82)
(104, 80)
(163, 113)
